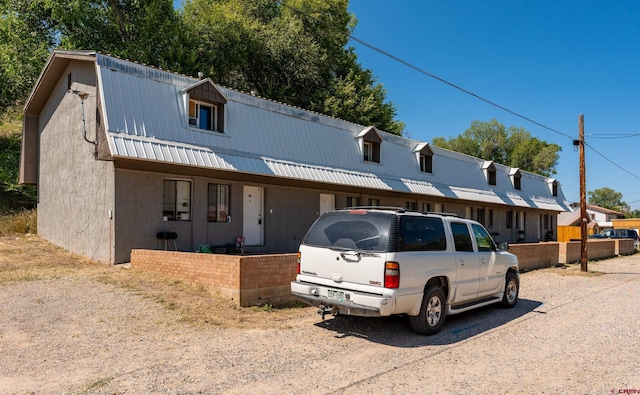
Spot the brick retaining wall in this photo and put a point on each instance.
(536, 255)
(248, 280)
(251, 280)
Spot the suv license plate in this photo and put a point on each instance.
(335, 295)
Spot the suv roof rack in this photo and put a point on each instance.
(400, 210)
(443, 214)
(394, 208)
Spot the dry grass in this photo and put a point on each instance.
(28, 258)
(20, 222)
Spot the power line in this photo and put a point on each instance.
(425, 72)
(431, 75)
(612, 162)
(613, 136)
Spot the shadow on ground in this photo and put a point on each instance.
(395, 331)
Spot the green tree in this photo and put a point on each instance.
(264, 47)
(511, 146)
(607, 198)
(146, 31)
(26, 38)
(12, 195)
(357, 98)
(633, 214)
(294, 52)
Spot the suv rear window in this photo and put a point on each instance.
(351, 230)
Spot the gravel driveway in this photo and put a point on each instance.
(568, 334)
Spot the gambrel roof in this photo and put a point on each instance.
(145, 116)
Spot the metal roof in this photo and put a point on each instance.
(145, 118)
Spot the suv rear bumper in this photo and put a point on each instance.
(354, 303)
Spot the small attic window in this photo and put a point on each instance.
(553, 186)
(203, 115)
(490, 172)
(516, 178)
(370, 140)
(205, 106)
(425, 157)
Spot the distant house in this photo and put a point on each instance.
(121, 151)
(569, 225)
(602, 216)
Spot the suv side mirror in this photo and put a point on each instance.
(502, 246)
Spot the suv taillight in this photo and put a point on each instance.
(391, 275)
(298, 268)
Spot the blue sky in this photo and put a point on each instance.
(547, 60)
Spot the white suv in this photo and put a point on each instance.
(374, 261)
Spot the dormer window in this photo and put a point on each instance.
(368, 152)
(205, 106)
(425, 157)
(516, 178)
(490, 172)
(553, 186)
(202, 115)
(370, 141)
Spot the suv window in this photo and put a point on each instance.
(483, 240)
(421, 234)
(355, 229)
(461, 236)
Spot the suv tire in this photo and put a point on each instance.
(432, 312)
(511, 290)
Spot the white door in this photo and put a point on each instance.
(252, 218)
(327, 203)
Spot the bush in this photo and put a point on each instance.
(18, 222)
(12, 195)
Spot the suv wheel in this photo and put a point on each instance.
(510, 290)
(432, 312)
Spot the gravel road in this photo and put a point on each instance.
(568, 334)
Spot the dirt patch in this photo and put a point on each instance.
(574, 270)
(28, 258)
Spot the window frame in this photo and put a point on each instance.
(480, 234)
(367, 151)
(517, 181)
(175, 214)
(426, 163)
(418, 233)
(352, 200)
(220, 215)
(369, 142)
(481, 215)
(197, 106)
(456, 228)
(491, 176)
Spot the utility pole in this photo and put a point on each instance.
(583, 199)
